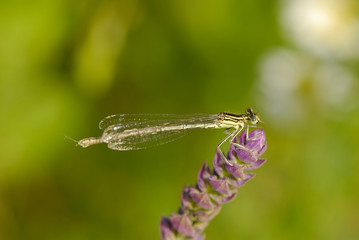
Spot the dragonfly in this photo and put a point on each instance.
(125, 132)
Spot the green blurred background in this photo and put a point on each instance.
(64, 65)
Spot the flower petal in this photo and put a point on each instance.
(201, 182)
(201, 198)
(255, 165)
(221, 199)
(220, 185)
(182, 224)
(165, 229)
(217, 164)
(240, 182)
(236, 170)
(186, 202)
(246, 156)
(262, 150)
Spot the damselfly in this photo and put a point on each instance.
(138, 131)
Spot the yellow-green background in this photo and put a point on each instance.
(64, 65)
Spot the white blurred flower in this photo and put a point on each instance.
(291, 84)
(325, 28)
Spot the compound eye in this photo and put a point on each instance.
(254, 121)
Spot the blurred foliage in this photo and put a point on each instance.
(64, 65)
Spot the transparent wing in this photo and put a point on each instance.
(133, 131)
(136, 142)
(145, 120)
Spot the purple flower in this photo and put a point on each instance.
(215, 187)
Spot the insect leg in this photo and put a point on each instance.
(247, 133)
(230, 135)
(247, 138)
(237, 144)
